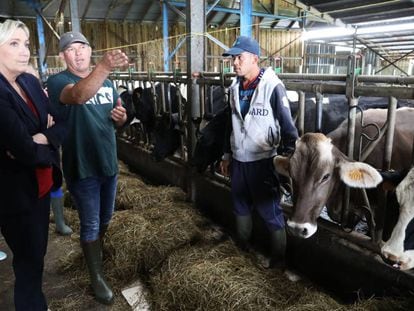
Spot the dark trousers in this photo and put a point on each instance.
(26, 233)
(255, 185)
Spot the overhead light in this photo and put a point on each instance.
(339, 48)
(328, 32)
(385, 28)
(387, 21)
(335, 32)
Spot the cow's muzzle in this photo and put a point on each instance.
(304, 230)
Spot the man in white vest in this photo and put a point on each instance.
(261, 124)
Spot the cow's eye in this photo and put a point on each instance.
(325, 177)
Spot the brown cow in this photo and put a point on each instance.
(317, 168)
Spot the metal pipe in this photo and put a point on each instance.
(318, 112)
(182, 125)
(165, 34)
(301, 113)
(353, 103)
(306, 86)
(202, 89)
(371, 145)
(386, 79)
(286, 76)
(389, 138)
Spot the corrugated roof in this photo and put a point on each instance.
(394, 41)
(318, 14)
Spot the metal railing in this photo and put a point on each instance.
(392, 87)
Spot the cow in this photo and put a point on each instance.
(210, 137)
(167, 130)
(399, 249)
(210, 142)
(335, 109)
(156, 118)
(144, 106)
(167, 137)
(319, 169)
(126, 98)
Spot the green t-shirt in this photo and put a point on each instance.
(90, 145)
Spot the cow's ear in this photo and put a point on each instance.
(281, 165)
(359, 174)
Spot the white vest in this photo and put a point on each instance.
(257, 136)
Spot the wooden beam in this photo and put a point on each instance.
(131, 3)
(146, 9)
(88, 5)
(210, 17)
(225, 19)
(111, 6)
(312, 11)
(60, 18)
(44, 7)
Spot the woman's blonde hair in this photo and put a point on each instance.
(8, 27)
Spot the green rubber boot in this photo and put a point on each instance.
(244, 231)
(57, 208)
(93, 256)
(278, 249)
(102, 232)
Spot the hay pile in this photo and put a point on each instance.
(186, 264)
(220, 277)
(133, 193)
(209, 277)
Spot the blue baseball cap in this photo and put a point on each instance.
(243, 44)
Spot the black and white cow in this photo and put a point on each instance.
(399, 249)
(210, 138)
(144, 106)
(156, 118)
(167, 131)
(126, 98)
(319, 169)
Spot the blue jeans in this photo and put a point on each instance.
(94, 198)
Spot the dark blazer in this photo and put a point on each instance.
(18, 184)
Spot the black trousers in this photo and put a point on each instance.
(26, 234)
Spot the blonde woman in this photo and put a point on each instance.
(30, 135)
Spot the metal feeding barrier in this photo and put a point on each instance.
(353, 86)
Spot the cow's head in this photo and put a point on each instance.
(316, 168)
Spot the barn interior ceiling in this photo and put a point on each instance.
(393, 42)
(384, 26)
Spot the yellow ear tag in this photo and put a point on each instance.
(355, 174)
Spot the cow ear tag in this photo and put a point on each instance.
(359, 175)
(355, 174)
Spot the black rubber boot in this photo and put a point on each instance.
(244, 231)
(102, 232)
(57, 208)
(278, 249)
(93, 256)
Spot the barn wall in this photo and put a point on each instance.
(144, 44)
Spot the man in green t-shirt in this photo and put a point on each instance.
(92, 109)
